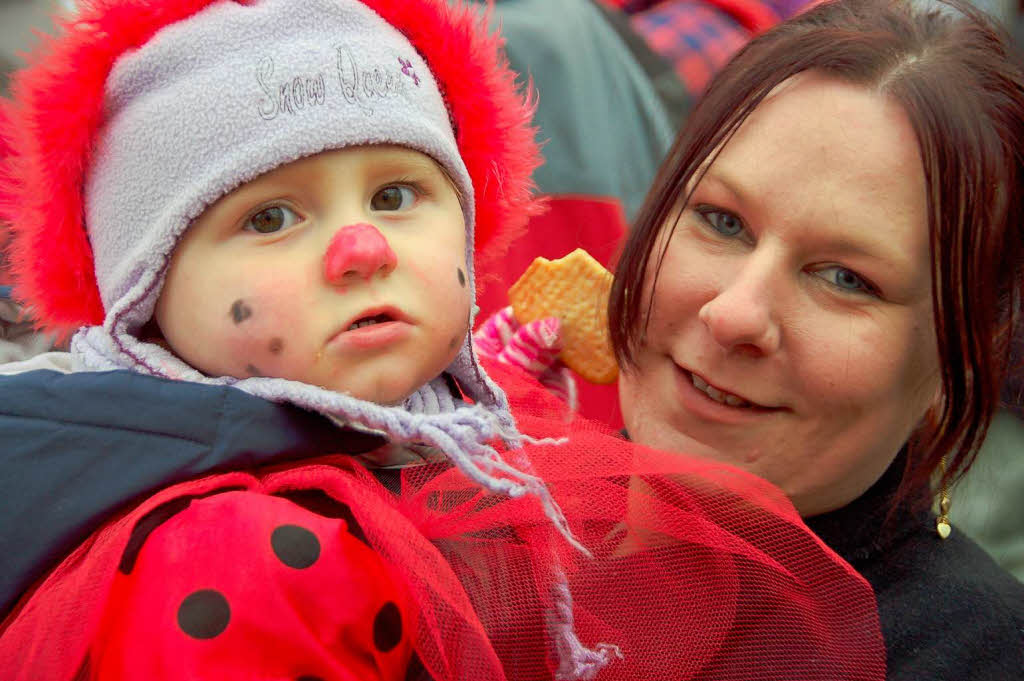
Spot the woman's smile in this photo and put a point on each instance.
(710, 403)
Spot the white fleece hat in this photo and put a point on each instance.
(230, 93)
(223, 96)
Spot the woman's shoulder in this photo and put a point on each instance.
(951, 573)
(947, 609)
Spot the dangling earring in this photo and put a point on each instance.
(942, 525)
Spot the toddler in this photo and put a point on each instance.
(282, 198)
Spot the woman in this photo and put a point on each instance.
(819, 289)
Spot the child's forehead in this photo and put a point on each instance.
(363, 158)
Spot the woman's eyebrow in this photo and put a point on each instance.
(894, 259)
(722, 181)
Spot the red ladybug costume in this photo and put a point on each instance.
(214, 589)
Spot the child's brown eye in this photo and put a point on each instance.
(393, 197)
(272, 219)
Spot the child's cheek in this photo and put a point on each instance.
(451, 293)
(262, 329)
(445, 278)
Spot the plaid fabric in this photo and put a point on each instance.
(782, 8)
(698, 38)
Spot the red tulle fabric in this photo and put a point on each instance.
(698, 571)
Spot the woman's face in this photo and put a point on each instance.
(791, 332)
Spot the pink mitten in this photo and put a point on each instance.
(533, 347)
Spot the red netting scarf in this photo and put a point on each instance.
(698, 571)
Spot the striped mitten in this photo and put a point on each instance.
(533, 347)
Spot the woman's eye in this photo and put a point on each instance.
(724, 223)
(272, 219)
(394, 197)
(845, 279)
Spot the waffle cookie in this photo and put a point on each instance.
(575, 289)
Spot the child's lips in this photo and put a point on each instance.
(379, 314)
(371, 328)
(372, 336)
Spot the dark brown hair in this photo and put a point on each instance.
(950, 69)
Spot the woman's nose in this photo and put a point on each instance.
(742, 317)
(360, 251)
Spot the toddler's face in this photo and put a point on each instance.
(344, 270)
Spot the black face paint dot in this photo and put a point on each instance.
(204, 614)
(253, 370)
(295, 546)
(462, 278)
(276, 346)
(240, 311)
(387, 628)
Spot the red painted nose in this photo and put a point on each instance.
(358, 250)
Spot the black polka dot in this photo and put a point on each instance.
(387, 627)
(204, 614)
(295, 546)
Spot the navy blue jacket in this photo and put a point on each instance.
(76, 448)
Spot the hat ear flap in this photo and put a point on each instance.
(49, 127)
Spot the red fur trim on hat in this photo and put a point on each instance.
(57, 109)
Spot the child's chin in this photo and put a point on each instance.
(387, 381)
(385, 395)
